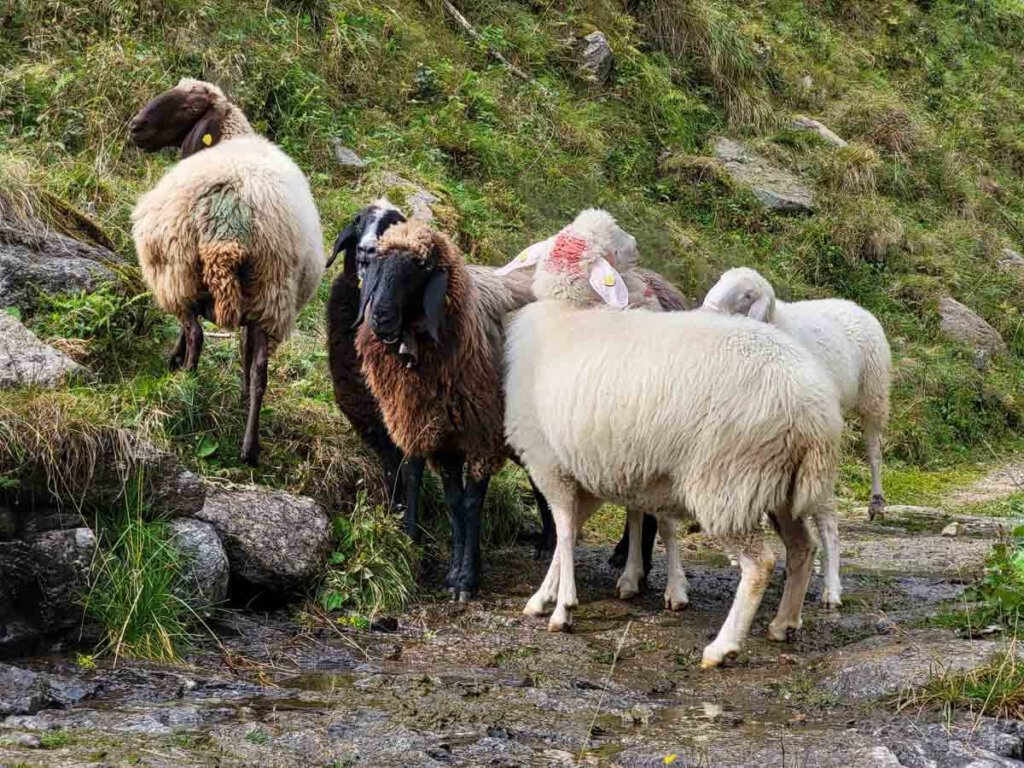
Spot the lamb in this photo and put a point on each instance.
(431, 348)
(850, 344)
(685, 413)
(230, 233)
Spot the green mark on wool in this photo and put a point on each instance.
(225, 216)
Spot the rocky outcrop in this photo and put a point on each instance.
(275, 542)
(418, 199)
(24, 692)
(25, 361)
(35, 260)
(204, 575)
(961, 324)
(777, 189)
(596, 57)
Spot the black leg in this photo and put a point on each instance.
(412, 476)
(451, 466)
(546, 544)
(621, 551)
(250, 453)
(650, 529)
(177, 358)
(193, 331)
(473, 503)
(246, 347)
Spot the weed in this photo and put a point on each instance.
(257, 736)
(54, 739)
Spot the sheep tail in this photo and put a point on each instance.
(221, 263)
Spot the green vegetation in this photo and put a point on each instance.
(918, 205)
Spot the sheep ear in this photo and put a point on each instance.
(368, 287)
(762, 309)
(205, 133)
(433, 302)
(609, 284)
(344, 242)
(528, 258)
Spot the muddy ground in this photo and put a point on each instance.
(483, 685)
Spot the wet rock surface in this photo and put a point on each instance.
(481, 684)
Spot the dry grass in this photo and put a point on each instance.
(866, 229)
(851, 169)
(884, 124)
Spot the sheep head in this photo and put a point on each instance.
(582, 260)
(359, 239)
(404, 290)
(190, 115)
(742, 291)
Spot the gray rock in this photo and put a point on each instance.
(418, 199)
(26, 361)
(961, 324)
(1012, 261)
(37, 260)
(802, 123)
(275, 541)
(596, 58)
(777, 189)
(203, 581)
(24, 692)
(346, 157)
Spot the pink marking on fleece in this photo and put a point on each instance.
(565, 256)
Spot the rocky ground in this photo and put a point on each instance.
(481, 684)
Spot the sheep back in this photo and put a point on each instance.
(721, 416)
(245, 192)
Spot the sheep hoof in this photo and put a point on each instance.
(250, 456)
(877, 507)
(715, 658)
(782, 632)
(537, 606)
(628, 586)
(174, 362)
(561, 621)
(465, 596)
(830, 603)
(676, 602)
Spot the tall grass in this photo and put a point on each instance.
(133, 596)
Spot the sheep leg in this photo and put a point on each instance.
(569, 519)
(547, 523)
(677, 590)
(177, 357)
(473, 503)
(628, 585)
(542, 600)
(412, 479)
(799, 562)
(192, 336)
(873, 441)
(756, 563)
(621, 552)
(250, 453)
(828, 533)
(451, 466)
(246, 349)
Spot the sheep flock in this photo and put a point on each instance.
(571, 360)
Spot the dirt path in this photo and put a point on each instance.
(483, 685)
(998, 484)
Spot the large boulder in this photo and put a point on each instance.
(276, 542)
(34, 260)
(25, 361)
(25, 692)
(777, 189)
(42, 580)
(596, 57)
(203, 580)
(961, 324)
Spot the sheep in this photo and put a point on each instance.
(645, 289)
(683, 413)
(358, 241)
(850, 344)
(230, 233)
(431, 350)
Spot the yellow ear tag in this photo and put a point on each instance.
(609, 279)
(207, 139)
(360, 284)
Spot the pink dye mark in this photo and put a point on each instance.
(565, 256)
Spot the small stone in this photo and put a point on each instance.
(203, 579)
(25, 361)
(27, 741)
(806, 82)
(801, 123)
(346, 157)
(597, 57)
(777, 189)
(953, 529)
(1012, 260)
(417, 197)
(961, 324)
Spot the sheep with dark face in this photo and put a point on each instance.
(230, 233)
(431, 349)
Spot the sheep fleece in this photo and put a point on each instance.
(239, 208)
(722, 416)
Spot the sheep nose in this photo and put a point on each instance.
(136, 124)
(387, 324)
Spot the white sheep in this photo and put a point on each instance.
(230, 232)
(597, 230)
(850, 344)
(682, 414)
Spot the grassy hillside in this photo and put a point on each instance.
(917, 206)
